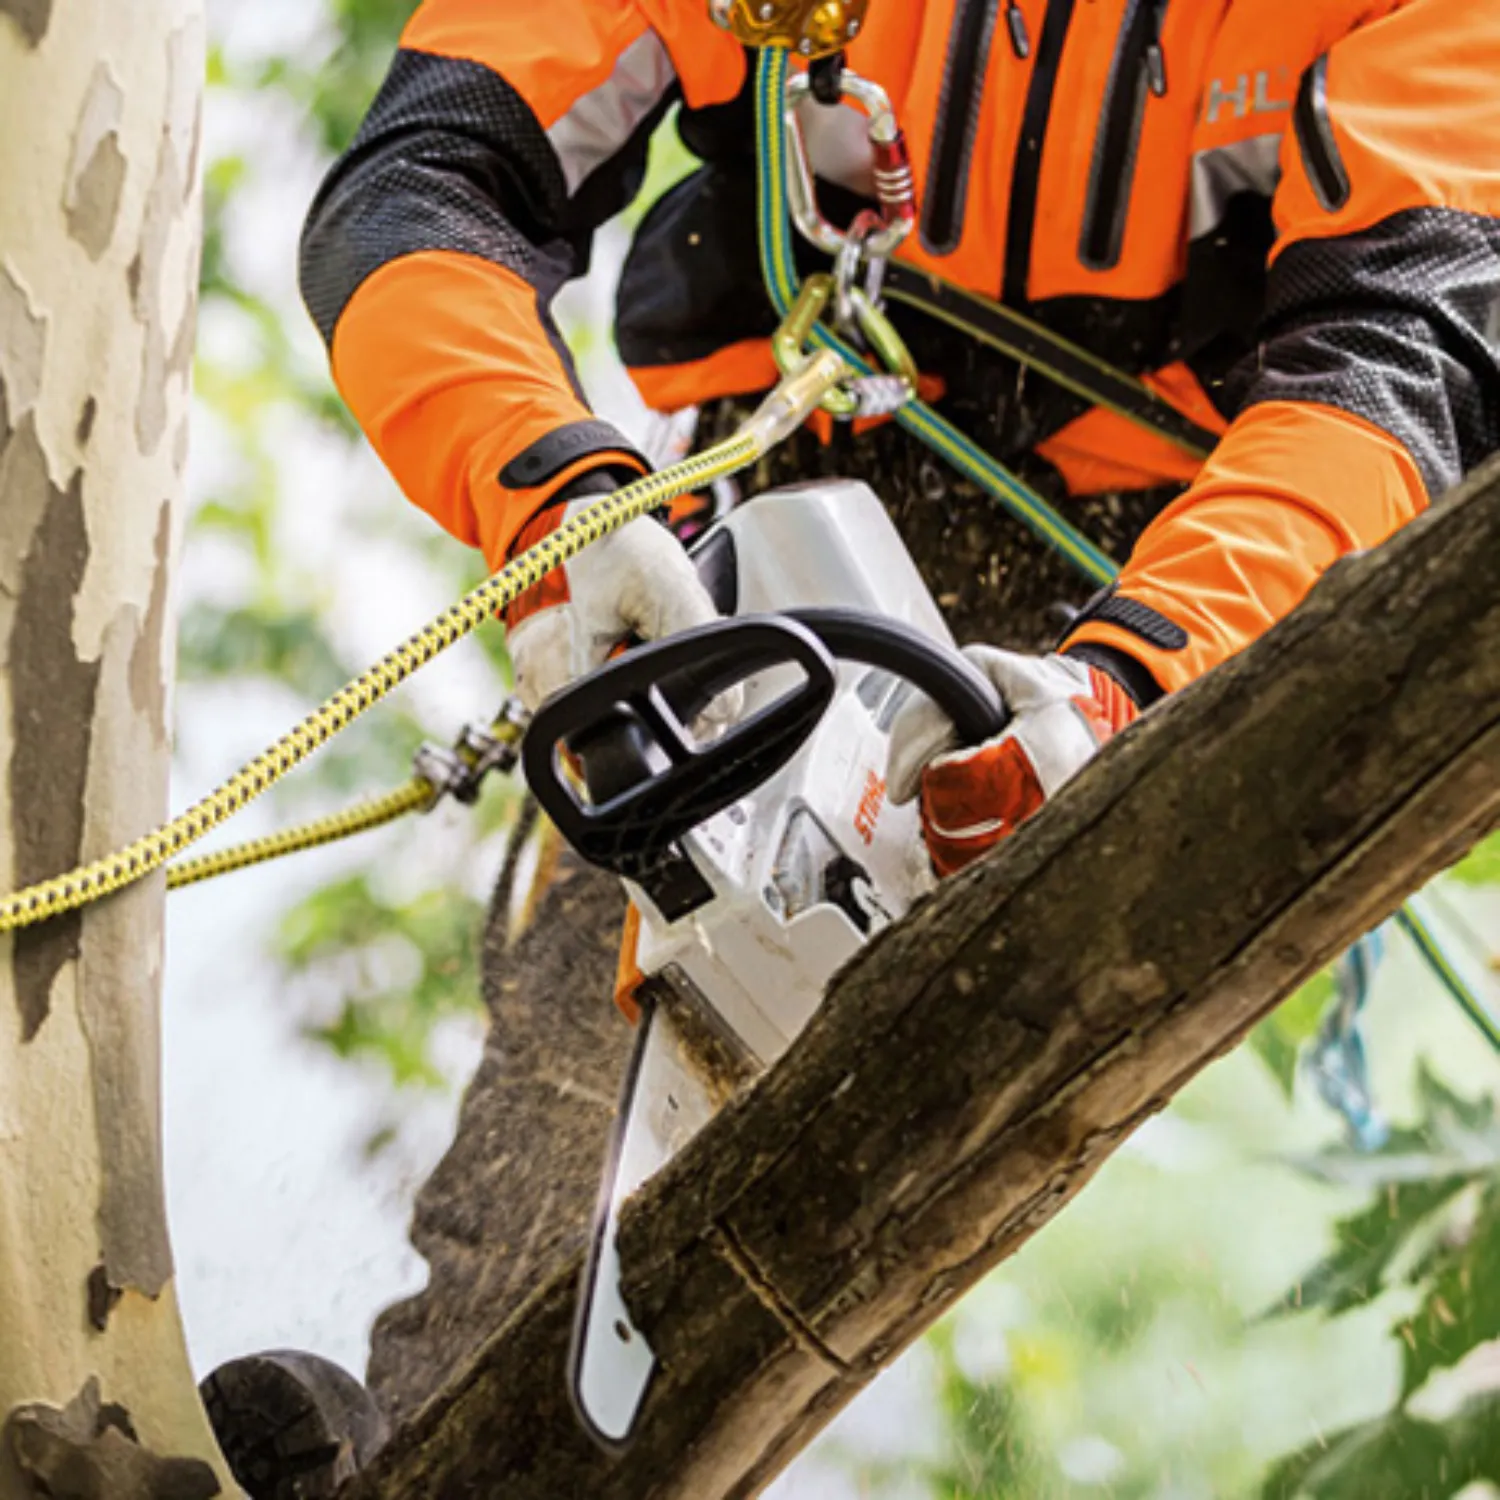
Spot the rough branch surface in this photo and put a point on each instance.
(976, 1064)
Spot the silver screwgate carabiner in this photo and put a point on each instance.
(895, 190)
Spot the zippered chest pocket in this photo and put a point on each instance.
(1315, 139)
(1138, 71)
(969, 44)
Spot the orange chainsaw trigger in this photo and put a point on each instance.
(628, 976)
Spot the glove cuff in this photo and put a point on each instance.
(553, 589)
(533, 481)
(1130, 676)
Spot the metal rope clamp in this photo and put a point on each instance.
(460, 772)
(861, 395)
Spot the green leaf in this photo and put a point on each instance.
(1366, 1245)
(1418, 1174)
(1396, 1457)
(383, 1031)
(1456, 1122)
(1278, 1040)
(1462, 1305)
(341, 929)
(290, 647)
(1482, 865)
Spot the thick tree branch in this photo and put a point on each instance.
(977, 1063)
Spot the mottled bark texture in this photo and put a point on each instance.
(977, 1062)
(545, 1090)
(99, 235)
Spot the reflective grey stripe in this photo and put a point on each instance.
(1252, 166)
(603, 120)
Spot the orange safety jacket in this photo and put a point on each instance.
(1281, 213)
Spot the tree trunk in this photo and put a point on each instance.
(555, 1050)
(975, 1064)
(99, 241)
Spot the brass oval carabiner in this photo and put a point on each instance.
(861, 395)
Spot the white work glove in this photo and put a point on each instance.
(636, 581)
(1062, 711)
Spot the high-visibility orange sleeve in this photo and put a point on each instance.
(556, 51)
(1400, 114)
(444, 362)
(1291, 489)
(503, 135)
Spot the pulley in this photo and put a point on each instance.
(810, 28)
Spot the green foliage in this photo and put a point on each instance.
(1368, 1243)
(1482, 866)
(402, 966)
(1461, 1305)
(1433, 1227)
(1279, 1039)
(1400, 1457)
(288, 645)
(995, 1453)
(396, 967)
(1419, 1178)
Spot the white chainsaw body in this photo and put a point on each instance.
(802, 873)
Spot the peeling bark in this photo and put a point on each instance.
(52, 710)
(977, 1062)
(90, 1451)
(96, 177)
(31, 17)
(167, 356)
(96, 1394)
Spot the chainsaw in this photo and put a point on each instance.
(758, 862)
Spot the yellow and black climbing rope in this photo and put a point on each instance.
(784, 410)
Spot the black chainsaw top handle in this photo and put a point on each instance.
(946, 676)
(649, 779)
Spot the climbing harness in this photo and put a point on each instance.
(917, 417)
(873, 238)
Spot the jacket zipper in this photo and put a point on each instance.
(1026, 169)
(1315, 138)
(1139, 69)
(969, 40)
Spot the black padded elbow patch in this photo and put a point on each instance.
(450, 157)
(1392, 325)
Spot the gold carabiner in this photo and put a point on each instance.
(880, 334)
(863, 395)
(789, 342)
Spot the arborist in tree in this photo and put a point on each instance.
(1281, 216)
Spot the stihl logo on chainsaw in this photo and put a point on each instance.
(871, 801)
